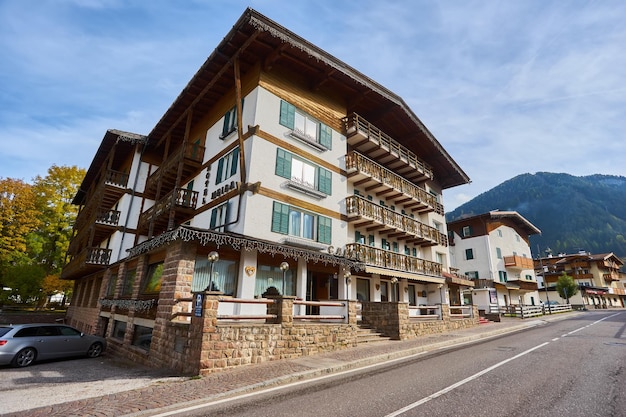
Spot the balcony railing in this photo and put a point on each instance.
(108, 217)
(518, 262)
(355, 162)
(392, 260)
(177, 198)
(357, 206)
(189, 152)
(355, 124)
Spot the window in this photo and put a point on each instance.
(407, 250)
(472, 274)
(469, 254)
(359, 238)
(304, 127)
(370, 240)
(502, 276)
(111, 285)
(395, 247)
(271, 276)
(303, 172)
(224, 275)
(129, 281)
(152, 284)
(529, 277)
(362, 289)
(227, 166)
(292, 221)
(412, 299)
(498, 253)
(467, 231)
(384, 244)
(119, 329)
(499, 233)
(219, 217)
(230, 121)
(142, 337)
(440, 257)
(384, 291)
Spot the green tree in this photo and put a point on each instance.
(24, 284)
(566, 286)
(18, 218)
(54, 194)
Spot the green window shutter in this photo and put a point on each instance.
(324, 183)
(226, 126)
(324, 229)
(235, 162)
(213, 218)
(283, 163)
(357, 236)
(326, 136)
(287, 114)
(220, 168)
(383, 244)
(371, 240)
(280, 218)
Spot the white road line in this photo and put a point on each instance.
(462, 382)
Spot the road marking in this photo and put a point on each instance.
(462, 382)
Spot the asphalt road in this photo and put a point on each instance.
(574, 367)
(58, 381)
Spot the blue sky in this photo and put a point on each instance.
(507, 87)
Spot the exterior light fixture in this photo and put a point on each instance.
(284, 266)
(213, 257)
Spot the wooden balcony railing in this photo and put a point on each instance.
(108, 217)
(357, 206)
(356, 124)
(518, 262)
(355, 162)
(87, 261)
(190, 152)
(177, 198)
(392, 260)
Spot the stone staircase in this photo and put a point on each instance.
(365, 334)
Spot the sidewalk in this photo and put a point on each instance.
(158, 398)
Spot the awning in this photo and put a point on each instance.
(596, 292)
(402, 274)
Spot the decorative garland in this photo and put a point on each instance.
(137, 305)
(238, 243)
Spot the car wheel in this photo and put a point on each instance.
(24, 357)
(95, 350)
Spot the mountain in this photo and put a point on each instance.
(573, 213)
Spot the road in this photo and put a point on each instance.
(574, 367)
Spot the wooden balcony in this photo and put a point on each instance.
(375, 178)
(188, 156)
(518, 262)
(611, 276)
(103, 196)
(378, 146)
(365, 214)
(103, 225)
(524, 284)
(392, 260)
(88, 261)
(172, 210)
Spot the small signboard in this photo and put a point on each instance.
(197, 307)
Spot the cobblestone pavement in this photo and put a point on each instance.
(171, 394)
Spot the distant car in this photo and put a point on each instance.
(552, 302)
(23, 344)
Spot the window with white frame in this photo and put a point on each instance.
(498, 253)
(303, 172)
(293, 221)
(469, 254)
(467, 231)
(305, 127)
(472, 274)
(227, 166)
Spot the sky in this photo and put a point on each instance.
(506, 87)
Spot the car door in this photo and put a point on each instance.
(73, 342)
(46, 341)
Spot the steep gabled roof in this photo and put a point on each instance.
(255, 38)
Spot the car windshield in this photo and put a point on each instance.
(5, 330)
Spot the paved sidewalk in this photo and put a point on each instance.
(171, 395)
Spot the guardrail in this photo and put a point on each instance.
(461, 311)
(527, 311)
(265, 301)
(425, 312)
(325, 314)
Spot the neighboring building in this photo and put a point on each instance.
(600, 282)
(278, 169)
(493, 250)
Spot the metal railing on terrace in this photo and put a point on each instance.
(392, 260)
(359, 206)
(355, 162)
(355, 123)
(179, 197)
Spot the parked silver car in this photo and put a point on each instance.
(23, 344)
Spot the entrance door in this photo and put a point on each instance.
(320, 286)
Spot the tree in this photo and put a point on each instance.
(54, 194)
(566, 286)
(52, 285)
(18, 218)
(24, 284)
